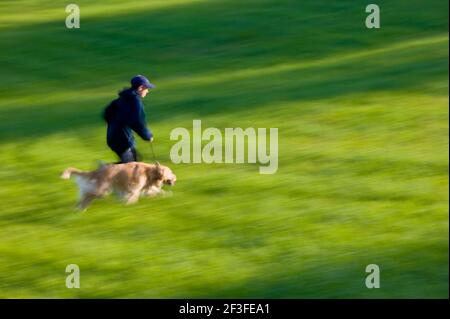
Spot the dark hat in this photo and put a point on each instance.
(139, 80)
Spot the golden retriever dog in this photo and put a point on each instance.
(128, 180)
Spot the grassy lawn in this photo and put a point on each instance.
(363, 149)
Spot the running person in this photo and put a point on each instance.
(126, 114)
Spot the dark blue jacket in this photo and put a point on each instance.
(124, 115)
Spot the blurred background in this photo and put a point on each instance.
(363, 149)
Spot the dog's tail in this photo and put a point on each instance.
(69, 171)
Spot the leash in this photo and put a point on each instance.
(153, 153)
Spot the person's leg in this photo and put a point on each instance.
(136, 155)
(128, 156)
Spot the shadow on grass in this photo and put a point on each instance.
(407, 270)
(226, 36)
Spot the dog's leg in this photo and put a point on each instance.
(85, 200)
(152, 191)
(132, 198)
(135, 191)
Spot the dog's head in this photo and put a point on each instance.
(169, 178)
(164, 175)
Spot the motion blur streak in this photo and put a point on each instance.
(362, 116)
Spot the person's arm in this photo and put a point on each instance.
(136, 120)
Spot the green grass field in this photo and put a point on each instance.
(363, 149)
